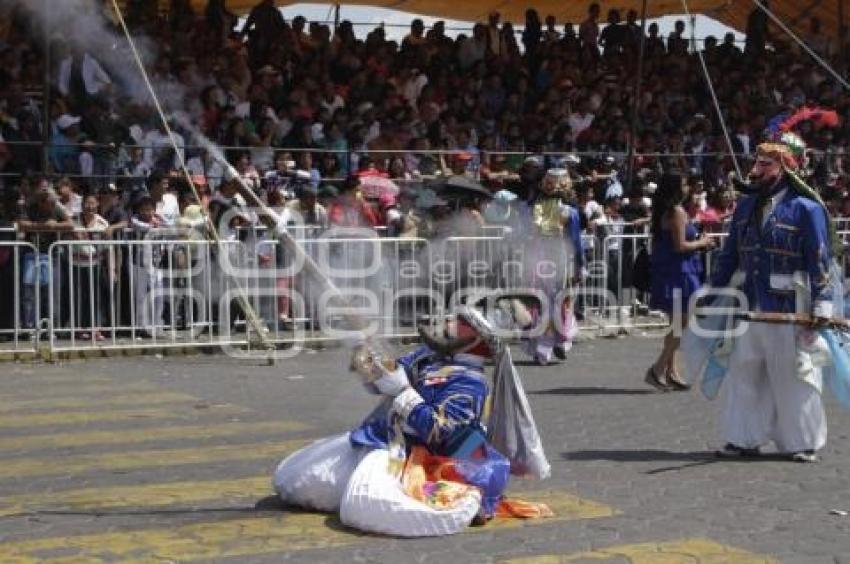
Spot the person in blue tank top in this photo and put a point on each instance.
(677, 272)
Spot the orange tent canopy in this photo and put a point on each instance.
(794, 13)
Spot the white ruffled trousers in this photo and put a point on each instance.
(772, 391)
(331, 475)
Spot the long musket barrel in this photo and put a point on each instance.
(366, 355)
(273, 221)
(792, 319)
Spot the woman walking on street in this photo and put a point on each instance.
(677, 272)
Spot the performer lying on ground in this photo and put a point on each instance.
(420, 464)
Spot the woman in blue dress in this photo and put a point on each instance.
(677, 272)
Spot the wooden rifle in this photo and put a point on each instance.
(802, 319)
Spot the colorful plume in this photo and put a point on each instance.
(820, 117)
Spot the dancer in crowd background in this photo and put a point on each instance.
(557, 260)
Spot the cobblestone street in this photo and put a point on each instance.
(169, 459)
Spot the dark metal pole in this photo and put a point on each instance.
(842, 58)
(636, 101)
(336, 17)
(45, 106)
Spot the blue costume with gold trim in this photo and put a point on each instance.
(453, 392)
(793, 240)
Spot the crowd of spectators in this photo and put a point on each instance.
(303, 111)
(327, 98)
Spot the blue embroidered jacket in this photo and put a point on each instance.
(447, 421)
(453, 393)
(790, 248)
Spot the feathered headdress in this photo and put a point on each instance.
(788, 146)
(820, 117)
(790, 149)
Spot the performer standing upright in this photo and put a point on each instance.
(557, 262)
(780, 240)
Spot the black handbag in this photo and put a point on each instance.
(642, 271)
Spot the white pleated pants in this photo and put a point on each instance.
(315, 476)
(330, 475)
(769, 394)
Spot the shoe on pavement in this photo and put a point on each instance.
(805, 456)
(656, 381)
(734, 451)
(560, 352)
(675, 382)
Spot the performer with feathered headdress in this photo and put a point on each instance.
(779, 244)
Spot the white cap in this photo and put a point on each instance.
(66, 120)
(136, 134)
(242, 110)
(504, 196)
(557, 172)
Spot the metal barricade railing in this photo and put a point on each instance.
(133, 294)
(21, 289)
(591, 291)
(189, 293)
(385, 282)
(626, 306)
(170, 291)
(842, 224)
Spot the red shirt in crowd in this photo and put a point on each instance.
(350, 211)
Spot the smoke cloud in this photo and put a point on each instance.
(87, 26)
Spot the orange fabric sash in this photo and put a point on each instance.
(435, 481)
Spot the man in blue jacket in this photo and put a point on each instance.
(780, 241)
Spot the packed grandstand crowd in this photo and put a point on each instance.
(308, 114)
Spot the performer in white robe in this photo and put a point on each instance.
(780, 241)
(556, 264)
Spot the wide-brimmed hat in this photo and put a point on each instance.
(469, 332)
(428, 199)
(328, 191)
(269, 70)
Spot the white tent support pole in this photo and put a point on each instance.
(714, 99)
(636, 101)
(818, 59)
(250, 314)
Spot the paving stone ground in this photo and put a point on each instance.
(168, 458)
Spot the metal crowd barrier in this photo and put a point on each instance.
(163, 291)
(156, 293)
(21, 297)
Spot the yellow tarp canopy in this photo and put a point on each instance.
(794, 13)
